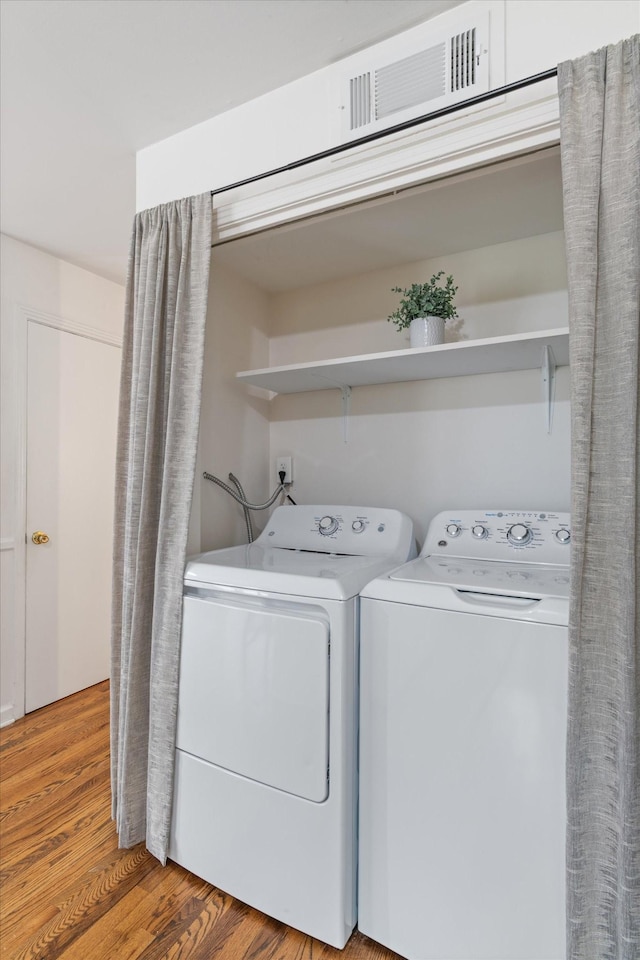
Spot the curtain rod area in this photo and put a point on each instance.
(407, 125)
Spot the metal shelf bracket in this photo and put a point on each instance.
(548, 384)
(346, 406)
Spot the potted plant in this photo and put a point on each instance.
(424, 308)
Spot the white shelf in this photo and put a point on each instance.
(523, 351)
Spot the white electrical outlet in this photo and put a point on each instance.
(286, 464)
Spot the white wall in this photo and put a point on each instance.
(234, 422)
(302, 118)
(420, 447)
(541, 34)
(425, 446)
(36, 281)
(514, 287)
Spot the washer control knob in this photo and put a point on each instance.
(563, 536)
(357, 526)
(519, 534)
(479, 532)
(327, 526)
(453, 530)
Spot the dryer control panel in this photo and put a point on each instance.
(532, 536)
(354, 531)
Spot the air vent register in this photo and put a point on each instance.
(419, 71)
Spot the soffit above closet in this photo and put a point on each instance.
(496, 204)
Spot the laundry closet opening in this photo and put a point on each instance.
(321, 287)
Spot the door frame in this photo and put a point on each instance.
(24, 316)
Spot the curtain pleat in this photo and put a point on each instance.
(161, 382)
(600, 145)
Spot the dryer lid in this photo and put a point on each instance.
(324, 551)
(277, 570)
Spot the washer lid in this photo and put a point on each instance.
(487, 576)
(294, 572)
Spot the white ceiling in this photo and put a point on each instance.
(84, 84)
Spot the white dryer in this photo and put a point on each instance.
(265, 798)
(463, 657)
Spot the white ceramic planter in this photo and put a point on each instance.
(426, 331)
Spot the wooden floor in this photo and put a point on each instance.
(67, 892)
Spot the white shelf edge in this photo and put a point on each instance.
(521, 351)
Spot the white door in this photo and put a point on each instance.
(72, 399)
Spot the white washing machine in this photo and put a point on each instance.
(265, 798)
(463, 698)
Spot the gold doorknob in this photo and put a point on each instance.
(39, 537)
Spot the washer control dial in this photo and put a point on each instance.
(327, 525)
(357, 526)
(453, 530)
(479, 532)
(563, 536)
(519, 534)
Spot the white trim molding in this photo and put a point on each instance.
(7, 543)
(7, 715)
(70, 326)
(477, 137)
(20, 555)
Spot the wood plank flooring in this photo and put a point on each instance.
(68, 893)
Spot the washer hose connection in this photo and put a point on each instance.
(240, 498)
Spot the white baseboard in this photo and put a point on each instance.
(7, 715)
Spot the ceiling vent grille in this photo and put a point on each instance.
(360, 100)
(416, 79)
(463, 60)
(419, 71)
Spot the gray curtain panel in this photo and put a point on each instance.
(600, 144)
(161, 381)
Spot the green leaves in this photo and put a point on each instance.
(430, 299)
